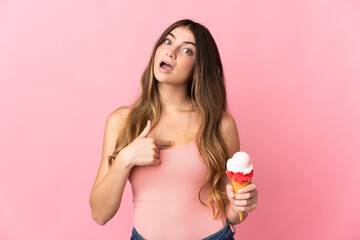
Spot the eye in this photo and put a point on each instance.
(166, 41)
(188, 51)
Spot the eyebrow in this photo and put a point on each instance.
(188, 42)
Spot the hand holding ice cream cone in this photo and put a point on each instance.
(240, 171)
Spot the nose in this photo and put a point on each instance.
(171, 52)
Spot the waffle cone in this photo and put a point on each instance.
(236, 187)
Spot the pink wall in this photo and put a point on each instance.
(292, 71)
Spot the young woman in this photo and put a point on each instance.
(172, 144)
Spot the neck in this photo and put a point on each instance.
(173, 97)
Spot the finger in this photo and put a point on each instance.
(156, 155)
(248, 195)
(246, 209)
(230, 190)
(156, 162)
(164, 146)
(244, 203)
(163, 143)
(153, 145)
(248, 188)
(241, 209)
(146, 130)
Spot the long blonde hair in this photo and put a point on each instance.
(207, 92)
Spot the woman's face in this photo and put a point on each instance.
(179, 51)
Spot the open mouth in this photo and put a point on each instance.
(166, 66)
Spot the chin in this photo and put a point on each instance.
(158, 78)
(162, 77)
(169, 79)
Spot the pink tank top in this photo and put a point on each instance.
(165, 196)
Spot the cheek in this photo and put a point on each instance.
(157, 54)
(188, 65)
(187, 71)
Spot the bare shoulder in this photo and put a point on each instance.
(118, 115)
(229, 133)
(114, 124)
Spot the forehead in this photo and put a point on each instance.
(183, 34)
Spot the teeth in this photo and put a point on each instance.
(165, 63)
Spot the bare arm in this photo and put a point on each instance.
(107, 191)
(230, 135)
(247, 200)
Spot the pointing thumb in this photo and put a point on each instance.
(146, 130)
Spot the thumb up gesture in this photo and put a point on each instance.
(144, 150)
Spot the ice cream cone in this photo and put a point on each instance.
(240, 170)
(236, 187)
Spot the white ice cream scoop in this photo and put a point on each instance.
(240, 162)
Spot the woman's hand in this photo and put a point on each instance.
(245, 201)
(143, 150)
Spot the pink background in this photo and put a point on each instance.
(292, 73)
